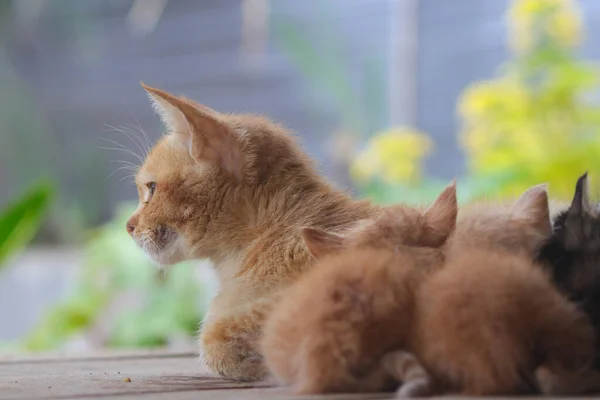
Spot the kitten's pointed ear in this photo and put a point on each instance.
(171, 117)
(581, 201)
(206, 135)
(533, 207)
(577, 226)
(320, 242)
(440, 217)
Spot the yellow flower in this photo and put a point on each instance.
(394, 155)
(477, 142)
(560, 21)
(502, 95)
(476, 99)
(523, 11)
(565, 27)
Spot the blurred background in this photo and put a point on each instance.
(393, 98)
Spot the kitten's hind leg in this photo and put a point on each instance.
(557, 384)
(404, 367)
(325, 372)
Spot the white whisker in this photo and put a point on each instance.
(126, 167)
(130, 176)
(137, 121)
(141, 137)
(155, 251)
(120, 145)
(136, 133)
(133, 166)
(124, 148)
(129, 134)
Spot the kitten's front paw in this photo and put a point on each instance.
(207, 371)
(230, 351)
(416, 388)
(404, 367)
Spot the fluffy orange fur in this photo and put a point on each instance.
(474, 316)
(235, 189)
(488, 320)
(490, 317)
(331, 330)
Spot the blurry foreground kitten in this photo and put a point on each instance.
(490, 317)
(332, 329)
(472, 316)
(572, 255)
(235, 189)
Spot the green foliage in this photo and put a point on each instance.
(21, 220)
(118, 286)
(173, 309)
(28, 135)
(385, 193)
(319, 54)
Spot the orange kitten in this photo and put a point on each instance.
(235, 189)
(488, 320)
(332, 329)
(490, 317)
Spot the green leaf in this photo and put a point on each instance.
(326, 70)
(22, 219)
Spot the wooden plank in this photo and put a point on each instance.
(110, 375)
(76, 356)
(151, 374)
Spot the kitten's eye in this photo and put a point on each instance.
(152, 187)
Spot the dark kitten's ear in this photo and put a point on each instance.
(201, 130)
(532, 207)
(440, 217)
(320, 242)
(577, 221)
(581, 201)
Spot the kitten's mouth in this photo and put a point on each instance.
(161, 245)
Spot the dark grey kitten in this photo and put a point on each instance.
(572, 256)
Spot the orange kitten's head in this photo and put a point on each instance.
(395, 226)
(521, 226)
(207, 179)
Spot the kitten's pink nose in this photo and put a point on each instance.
(130, 225)
(130, 229)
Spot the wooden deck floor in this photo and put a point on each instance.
(154, 375)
